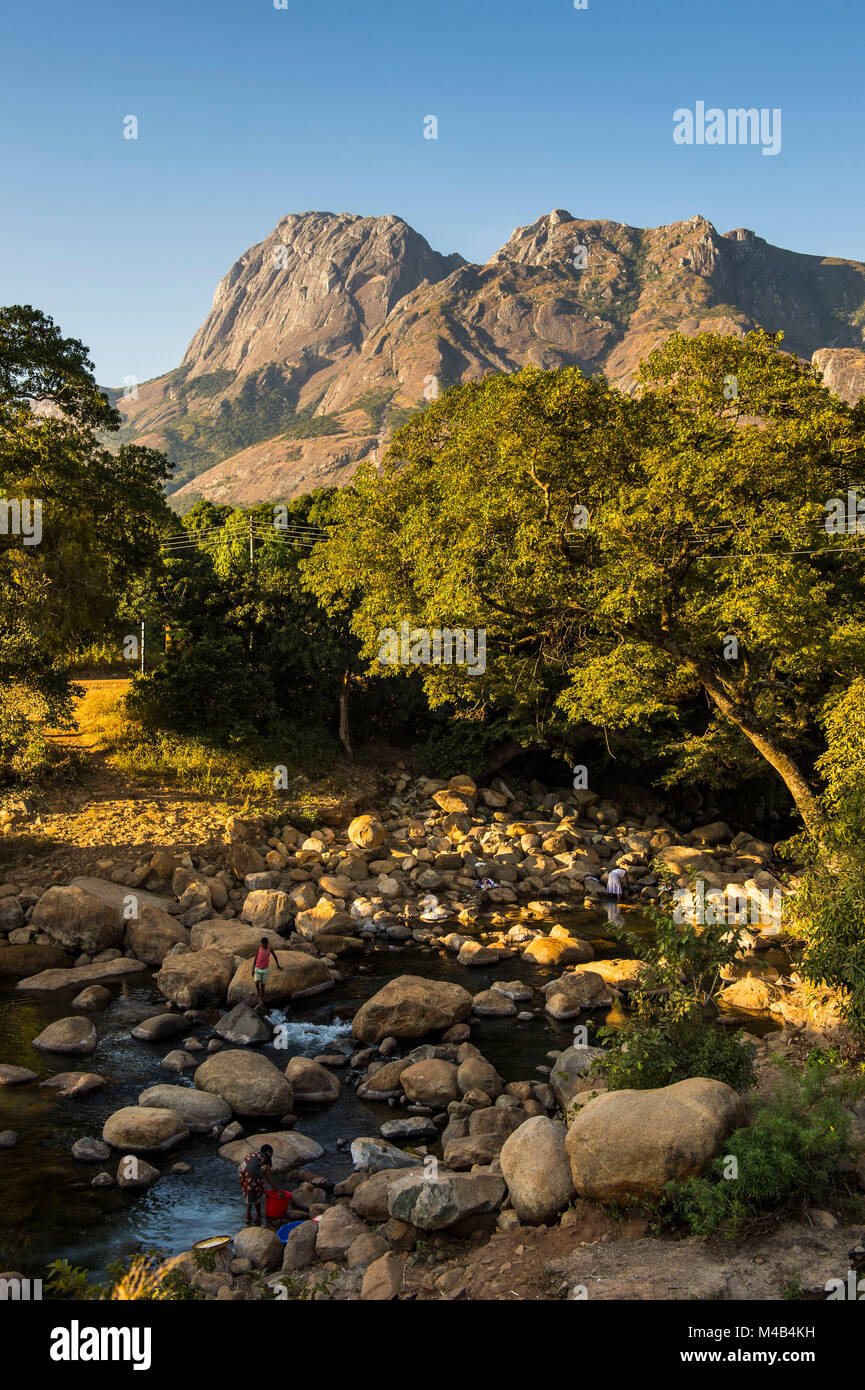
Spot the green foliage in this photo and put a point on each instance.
(100, 519)
(670, 1033)
(457, 745)
(786, 1159)
(700, 508)
(828, 912)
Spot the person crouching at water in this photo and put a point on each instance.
(261, 969)
(254, 1172)
(616, 882)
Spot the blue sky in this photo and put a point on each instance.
(247, 112)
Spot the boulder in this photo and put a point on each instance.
(79, 920)
(160, 1026)
(325, 919)
(133, 1173)
(93, 997)
(569, 1069)
(268, 910)
(74, 1083)
(411, 1007)
(477, 1074)
(11, 915)
(384, 1083)
(491, 1003)
(243, 1027)
(67, 1035)
(195, 980)
(583, 989)
(622, 974)
(465, 1151)
(550, 950)
(242, 859)
(292, 975)
(198, 1110)
(410, 1128)
(179, 1060)
(366, 1248)
(536, 1169)
(366, 832)
(152, 934)
(30, 960)
(749, 994)
(261, 1246)
(311, 1083)
(300, 1246)
(16, 1076)
(237, 939)
(337, 1230)
(374, 1154)
(369, 1200)
(433, 1204)
(629, 1144)
(383, 1279)
(105, 972)
(90, 1151)
(290, 1149)
(248, 1081)
(144, 1129)
(431, 1082)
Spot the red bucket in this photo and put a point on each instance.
(276, 1204)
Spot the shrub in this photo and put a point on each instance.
(671, 1033)
(787, 1158)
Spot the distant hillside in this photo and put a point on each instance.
(327, 334)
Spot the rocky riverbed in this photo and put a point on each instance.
(414, 1067)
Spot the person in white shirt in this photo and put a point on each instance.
(616, 880)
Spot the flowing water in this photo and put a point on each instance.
(49, 1209)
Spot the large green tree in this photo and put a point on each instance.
(99, 515)
(627, 554)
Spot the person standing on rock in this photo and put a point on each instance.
(261, 969)
(254, 1172)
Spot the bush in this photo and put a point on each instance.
(672, 1033)
(644, 1056)
(787, 1159)
(207, 685)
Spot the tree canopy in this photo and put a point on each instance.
(628, 555)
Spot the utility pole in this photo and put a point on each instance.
(142, 646)
(250, 541)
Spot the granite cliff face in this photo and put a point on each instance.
(326, 334)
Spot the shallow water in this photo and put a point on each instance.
(49, 1210)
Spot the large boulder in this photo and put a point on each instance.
(325, 919)
(249, 1082)
(103, 972)
(152, 934)
(431, 1082)
(268, 910)
(337, 1229)
(568, 1072)
(292, 975)
(16, 1076)
(536, 1169)
(411, 1007)
(312, 1083)
(144, 1129)
(74, 1083)
(629, 1144)
(67, 1035)
(366, 832)
(243, 1027)
(551, 950)
(384, 1084)
(79, 920)
(237, 939)
(369, 1199)
(433, 1204)
(198, 1110)
(290, 1149)
(372, 1155)
(262, 1247)
(196, 979)
(620, 973)
(29, 960)
(158, 1027)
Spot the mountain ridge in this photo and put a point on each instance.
(326, 334)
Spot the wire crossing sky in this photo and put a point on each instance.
(146, 146)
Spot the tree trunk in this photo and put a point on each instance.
(343, 718)
(757, 734)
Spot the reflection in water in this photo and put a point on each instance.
(614, 913)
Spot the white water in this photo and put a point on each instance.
(299, 1038)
